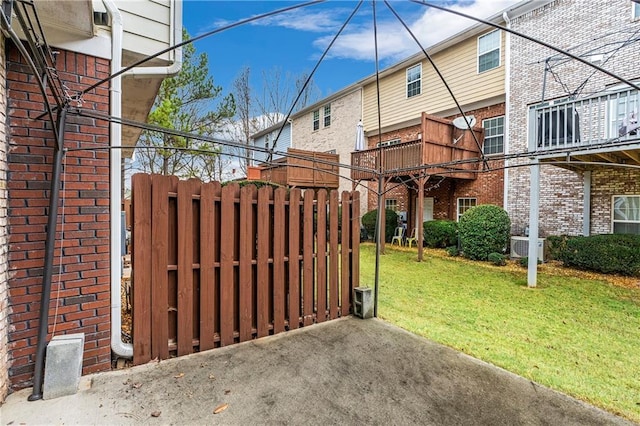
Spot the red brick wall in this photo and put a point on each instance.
(488, 187)
(83, 298)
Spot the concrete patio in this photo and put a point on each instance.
(347, 371)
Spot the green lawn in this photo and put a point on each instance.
(578, 336)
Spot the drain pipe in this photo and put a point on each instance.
(45, 298)
(120, 348)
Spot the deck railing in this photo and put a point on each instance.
(304, 169)
(599, 119)
(396, 157)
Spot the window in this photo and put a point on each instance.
(622, 114)
(493, 135)
(626, 214)
(316, 119)
(389, 142)
(391, 203)
(635, 12)
(327, 115)
(465, 204)
(414, 80)
(489, 51)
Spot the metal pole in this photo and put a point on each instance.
(380, 234)
(45, 297)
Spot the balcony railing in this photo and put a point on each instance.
(443, 150)
(395, 157)
(601, 119)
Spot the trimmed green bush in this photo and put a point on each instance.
(555, 245)
(452, 251)
(609, 254)
(440, 233)
(483, 230)
(370, 219)
(497, 259)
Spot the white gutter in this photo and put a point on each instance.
(507, 104)
(115, 185)
(119, 347)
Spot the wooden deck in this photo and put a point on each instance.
(443, 150)
(304, 169)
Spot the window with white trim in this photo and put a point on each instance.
(493, 135)
(391, 203)
(316, 119)
(489, 51)
(414, 80)
(327, 115)
(635, 11)
(626, 214)
(465, 204)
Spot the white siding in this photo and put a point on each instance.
(147, 26)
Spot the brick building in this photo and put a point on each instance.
(82, 301)
(473, 64)
(579, 192)
(85, 293)
(4, 285)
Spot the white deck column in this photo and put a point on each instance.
(586, 212)
(534, 207)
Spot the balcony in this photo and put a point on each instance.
(443, 150)
(598, 130)
(303, 169)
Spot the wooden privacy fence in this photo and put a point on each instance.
(215, 265)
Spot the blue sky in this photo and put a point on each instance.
(294, 41)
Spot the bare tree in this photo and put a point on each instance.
(256, 113)
(280, 91)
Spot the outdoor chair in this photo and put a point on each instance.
(398, 236)
(413, 237)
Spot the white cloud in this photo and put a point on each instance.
(304, 20)
(395, 43)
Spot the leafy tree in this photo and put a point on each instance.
(185, 103)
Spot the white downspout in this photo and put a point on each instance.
(115, 185)
(507, 104)
(119, 347)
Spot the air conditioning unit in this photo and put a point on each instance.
(520, 247)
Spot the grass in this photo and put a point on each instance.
(579, 336)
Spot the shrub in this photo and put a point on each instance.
(609, 254)
(524, 262)
(483, 230)
(555, 245)
(497, 259)
(440, 233)
(452, 251)
(256, 183)
(370, 219)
